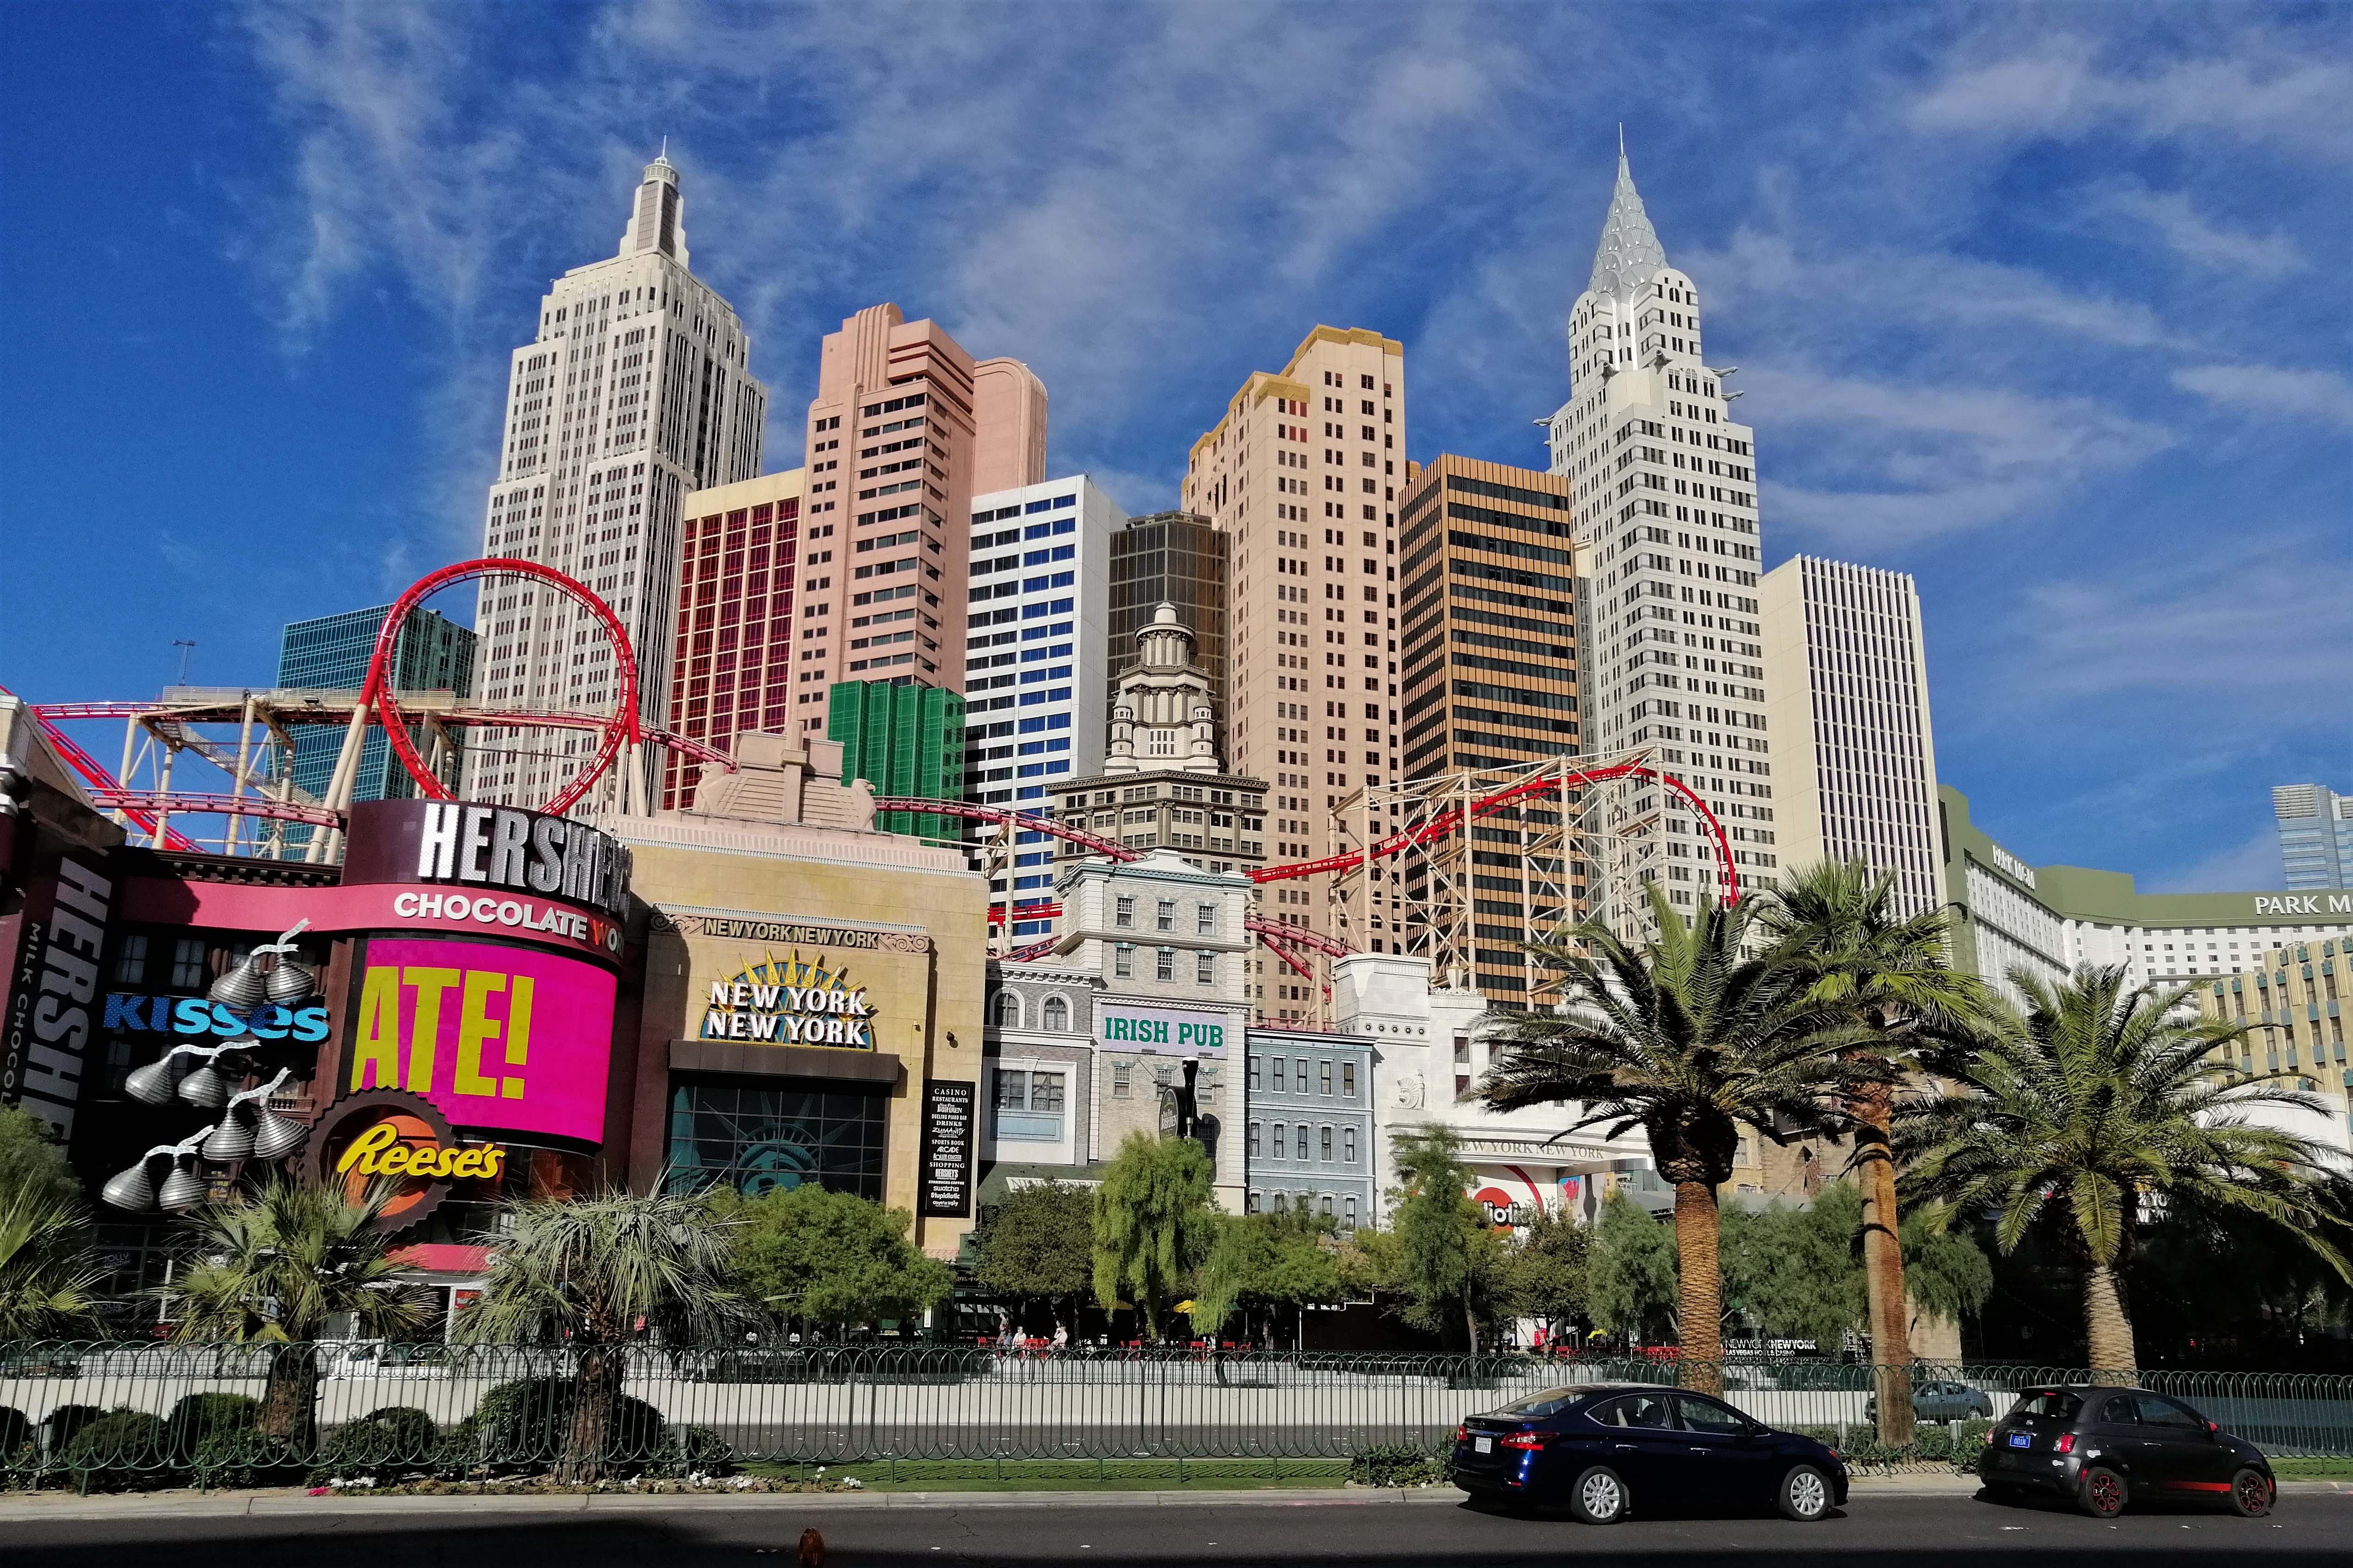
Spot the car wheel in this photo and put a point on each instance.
(2101, 1493)
(1600, 1497)
(2251, 1493)
(1805, 1494)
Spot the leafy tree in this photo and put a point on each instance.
(1151, 1223)
(1265, 1260)
(1546, 1270)
(46, 1273)
(1946, 1273)
(596, 1273)
(1631, 1284)
(2097, 1106)
(1450, 1262)
(814, 1256)
(1688, 1038)
(275, 1266)
(32, 1160)
(1039, 1244)
(1837, 927)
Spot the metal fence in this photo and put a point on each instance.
(139, 1409)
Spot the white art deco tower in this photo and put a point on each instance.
(636, 391)
(1665, 501)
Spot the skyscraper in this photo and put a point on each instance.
(330, 653)
(1301, 475)
(1170, 557)
(1854, 756)
(1664, 490)
(2315, 835)
(635, 392)
(731, 667)
(902, 429)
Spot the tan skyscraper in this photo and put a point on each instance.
(902, 429)
(1301, 474)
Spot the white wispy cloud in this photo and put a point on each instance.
(2197, 239)
(2316, 395)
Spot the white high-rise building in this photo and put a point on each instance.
(1855, 758)
(1665, 501)
(2315, 835)
(637, 391)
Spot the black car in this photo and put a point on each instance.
(1601, 1449)
(2101, 1448)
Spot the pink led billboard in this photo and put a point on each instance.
(501, 1038)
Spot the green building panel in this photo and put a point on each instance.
(904, 740)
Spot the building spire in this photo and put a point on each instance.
(1630, 251)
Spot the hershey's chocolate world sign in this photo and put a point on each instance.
(460, 845)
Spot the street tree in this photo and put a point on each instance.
(2095, 1107)
(1838, 927)
(1631, 1284)
(1039, 1245)
(1546, 1270)
(810, 1256)
(1688, 1037)
(275, 1266)
(596, 1273)
(1449, 1261)
(1152, 1224)
(1267, 1263)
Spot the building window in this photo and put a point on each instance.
(1281, 1148)
(1123, 911)
(1300, 1145)
(1008, 1010)
(1278, 1073)
(131, 962)
(1324, 1075)
(1057, 1016)
(1252, 1147)
(757, 1139)
(1205, 968)
(1301, 1064)
(1122, 961)
(1122, 1079)
(1254, 1198)
(1253, 1072)
(187, 964)
(1282, 1202)
(1029, 1106)
(1325, 1206)
(1205, 919)
(1325, 1140)
(1164, 915)
(1164, 963)
(1348, 1213)
(1348, 1079)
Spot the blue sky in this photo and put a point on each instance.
(2048, 305)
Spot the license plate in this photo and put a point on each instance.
(1482, 1444)
(2022, 1440)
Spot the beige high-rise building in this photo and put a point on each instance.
(1301, 474)
(900, 434)
(1854, 762)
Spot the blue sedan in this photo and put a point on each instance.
(1602, 1449)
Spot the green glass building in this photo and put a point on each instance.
(904, 740)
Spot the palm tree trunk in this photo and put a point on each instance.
(2107, 1329)
(290, 1397)
(1883, 1266)
(1471, 1323)
(599, 1383)
(1699, 1294)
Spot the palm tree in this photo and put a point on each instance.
(1689, 1039)
(47, 1274)
(1836, 928)
(2097, 1106)
(275, 1266)
(597, 1273)
(1151, 1223)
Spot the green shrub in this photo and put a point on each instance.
(413, 1430)
(241, 1457)
(525, 1424)
(694, 1450)
(199, 1416)
(121, 1448)
(19, 1450)
(59, 1426)
(1395, 1464)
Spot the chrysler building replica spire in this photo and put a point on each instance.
(635, 390)
(1665, 499)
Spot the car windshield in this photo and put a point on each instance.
(2056, 1404)
(1551, 1402)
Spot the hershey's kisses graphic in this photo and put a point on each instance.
(792, 1001)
